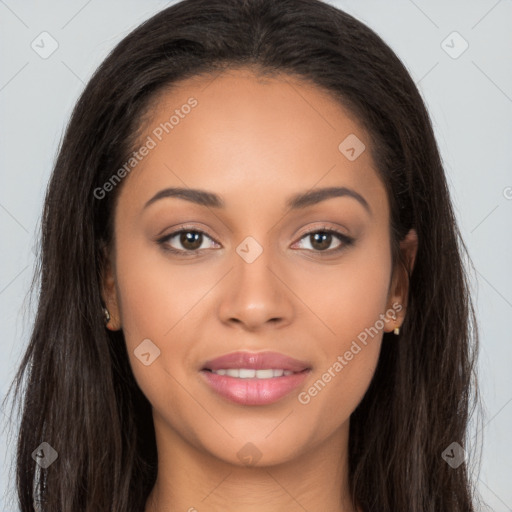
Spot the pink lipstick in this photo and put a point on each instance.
(254, 378)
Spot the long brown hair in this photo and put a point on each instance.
(76, 386)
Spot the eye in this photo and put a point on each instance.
(190, 240)
(321, 239)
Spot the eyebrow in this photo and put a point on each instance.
(297, 201)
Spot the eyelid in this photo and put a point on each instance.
(324, 228)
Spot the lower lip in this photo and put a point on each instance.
(254, 391)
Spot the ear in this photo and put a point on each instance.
(109, 291)
(399, 287)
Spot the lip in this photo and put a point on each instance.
(255, 391)
(256, 361)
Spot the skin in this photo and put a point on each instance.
(255, 142)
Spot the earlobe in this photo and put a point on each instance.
(399, 289)
(112, 323)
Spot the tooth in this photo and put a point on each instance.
(249, 373)
(246, 373)
(264, 374)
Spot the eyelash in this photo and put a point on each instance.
(344, 239)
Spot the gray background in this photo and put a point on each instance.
(470, 101)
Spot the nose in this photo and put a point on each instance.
(256, 295)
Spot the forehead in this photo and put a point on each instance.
(241, 135)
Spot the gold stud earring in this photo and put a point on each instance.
(396, 331)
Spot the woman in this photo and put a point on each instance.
(252, 291)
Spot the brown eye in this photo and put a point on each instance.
(191, 240)
(321, 240)
(185, 241)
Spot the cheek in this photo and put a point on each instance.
(153, 301)
(155, 294)
(349, 297)
(353, 310)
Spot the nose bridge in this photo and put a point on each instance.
(255, 295)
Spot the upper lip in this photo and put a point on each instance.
(256, 361)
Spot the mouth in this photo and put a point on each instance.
(257, 378)
(247, 361)
(251, 373)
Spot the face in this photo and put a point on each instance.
(264, 260)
